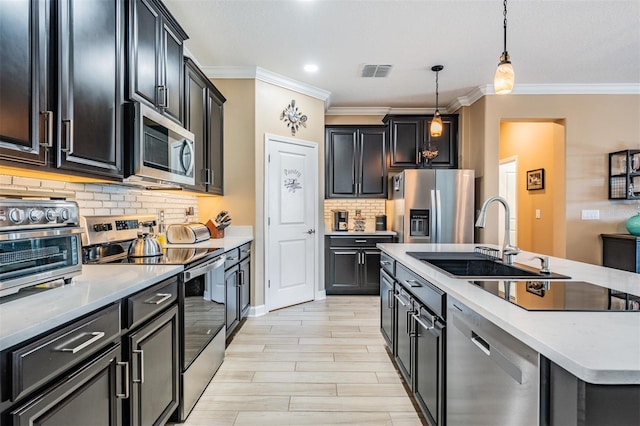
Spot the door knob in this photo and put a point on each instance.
(311, 231)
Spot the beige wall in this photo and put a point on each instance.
(252, 110)
(587, 143)
(239, 181)
(271, 100)
(537, 145)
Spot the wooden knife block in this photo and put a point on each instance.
(215, 233)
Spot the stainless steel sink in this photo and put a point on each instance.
(473, 266)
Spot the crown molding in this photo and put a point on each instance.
(270, 77)
(570, 89)
(380, 111)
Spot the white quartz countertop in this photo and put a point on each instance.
(96, 287)
(597, 347)
(359, 233)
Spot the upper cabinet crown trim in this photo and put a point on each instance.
(169, 17)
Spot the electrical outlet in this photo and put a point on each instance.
(590, 215)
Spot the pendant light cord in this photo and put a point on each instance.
(504, 13)
(437, 72)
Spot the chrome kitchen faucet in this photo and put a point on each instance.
(508, 250)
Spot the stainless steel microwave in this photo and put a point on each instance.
(162, 151)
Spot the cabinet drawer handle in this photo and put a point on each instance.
(141, 353)
(390, 297)
(241, 277)
(399, 300)
(232, 258)
(423, 324)
(97, 335)
(384, 263)
(162, 297)
(412, 283)
(125, 394)
(361, 241)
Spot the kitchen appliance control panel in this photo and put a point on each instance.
(26, 214)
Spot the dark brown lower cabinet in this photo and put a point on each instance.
(352, 264)
(152, 353)
(245, 279)
(237, 277)
(88, 395)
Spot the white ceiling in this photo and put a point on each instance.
(566, 46)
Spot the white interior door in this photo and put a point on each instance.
(292, 210)
(509, 191)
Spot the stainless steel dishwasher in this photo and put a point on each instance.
(492, 377)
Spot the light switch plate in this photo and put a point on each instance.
(590, 215)
(538, 215)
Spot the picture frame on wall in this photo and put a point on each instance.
(535, 179)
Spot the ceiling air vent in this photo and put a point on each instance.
(376, 70)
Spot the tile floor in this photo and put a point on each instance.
(318, 363)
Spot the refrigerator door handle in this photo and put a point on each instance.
(433, 217)
(438, 217)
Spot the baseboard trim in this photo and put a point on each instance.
(257, 311)
(320, 295)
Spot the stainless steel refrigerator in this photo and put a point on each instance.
(432, 205)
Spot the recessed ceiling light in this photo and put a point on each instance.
(311, 68)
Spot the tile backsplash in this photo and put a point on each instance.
(109, 199)
(371, 207)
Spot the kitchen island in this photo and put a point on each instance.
(585, 364)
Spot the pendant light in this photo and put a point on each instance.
(504, 79)
(435, 129)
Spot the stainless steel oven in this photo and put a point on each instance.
(203, 317)
(163, 151)
(40, 241)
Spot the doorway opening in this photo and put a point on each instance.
(538, 146)
(508, 181)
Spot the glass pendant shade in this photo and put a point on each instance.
(504, 79)
(435, 129)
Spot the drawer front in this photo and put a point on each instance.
(245, 250)
(363, 241)
(35, 364)
(233, 257)
(423, 290)
(151, 301)
(388, 264)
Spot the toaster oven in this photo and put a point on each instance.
(40, 241)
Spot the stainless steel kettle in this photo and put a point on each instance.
(146, 245)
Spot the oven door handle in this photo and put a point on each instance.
(203, 269)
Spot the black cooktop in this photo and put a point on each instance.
(561, 295)
(170, 256)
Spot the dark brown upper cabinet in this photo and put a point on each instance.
(156, 45)
(355, 162)
(60, 85)
(408, 134)
(203, 117)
